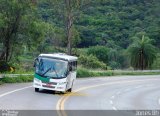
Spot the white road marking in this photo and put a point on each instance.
(114, 108)
(111, 102)
(127, 89)
(61, 102)
(118, 93)
(7, 93)
(113, 97)
(149, 85)
(138, 87)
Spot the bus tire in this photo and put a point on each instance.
(36, 89)
(70, 90)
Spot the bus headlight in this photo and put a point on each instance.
(62, 83)
(37, 80)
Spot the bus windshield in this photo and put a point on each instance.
(51, 68)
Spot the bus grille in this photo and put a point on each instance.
(48, 86)
(52, 83)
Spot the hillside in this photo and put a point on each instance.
(106, 22)
(108, 34)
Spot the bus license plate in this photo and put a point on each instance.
(48, 85)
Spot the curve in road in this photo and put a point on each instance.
(113, 93)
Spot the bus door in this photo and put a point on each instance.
(72, 73)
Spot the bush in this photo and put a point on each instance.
(4, 66)
(19, 79)
(9, 80)
(91, 61)
(1, 82)
(114, 65)
(100, 52)
(82, 72)
(156, 63)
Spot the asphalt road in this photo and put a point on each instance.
(107, 93)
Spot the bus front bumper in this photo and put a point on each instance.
(54, 84)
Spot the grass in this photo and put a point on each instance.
(81, 73)
(18, 79)
(136, 73)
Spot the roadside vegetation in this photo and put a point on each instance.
(17, 79)
(106, 35)
(81, 73)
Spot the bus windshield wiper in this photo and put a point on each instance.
(55, 71)
(49, 70)
(46, 71)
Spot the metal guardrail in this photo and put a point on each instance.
(131, 70)
(14, 75)
(137, 70)
(1, 76)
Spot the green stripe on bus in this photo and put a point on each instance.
(41, 78)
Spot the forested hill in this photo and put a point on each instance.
(109, 22)
(119, 20)
(123, 33)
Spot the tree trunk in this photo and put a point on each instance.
(69, 35)
(69, 23)
(7, 48)
(2, 57)
(142, 60)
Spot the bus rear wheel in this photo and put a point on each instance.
(36, 89)
(69, 90)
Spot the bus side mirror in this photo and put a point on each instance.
(70, 68)
(35, 60)
(34, 64)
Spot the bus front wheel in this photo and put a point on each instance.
(36, 89)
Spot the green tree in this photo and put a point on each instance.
(64, 14)
(91, 61)
(11, 15)
(20, 26)
(142, 53)
(101, 52)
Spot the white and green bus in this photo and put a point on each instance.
(55, 72)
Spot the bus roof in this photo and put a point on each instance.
(61, 56)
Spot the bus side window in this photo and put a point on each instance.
(70, 66)
(73, 66)
(76, 64)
